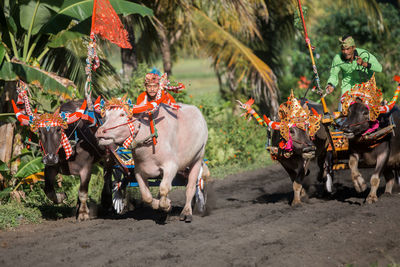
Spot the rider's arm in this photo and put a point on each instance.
(373, 64)
(141, 98)
(335, 69)
(170, 98)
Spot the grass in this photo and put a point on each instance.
(197, 75)
(13, 214)
(222, 172)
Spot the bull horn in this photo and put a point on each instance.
(250, 102)
(388, 107)
(97, 105)
(314, 112)
(24, 119)
(83, 107)
(78, 114)
(272, 124)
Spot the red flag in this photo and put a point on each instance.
(106, 23)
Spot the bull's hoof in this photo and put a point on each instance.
(186, 217)
(363, 186)
(360, 187)
(296, 203)
(387, 194)
(165, 204)
(371, 199)
(83, 217)
(155, 204)
(359, 184)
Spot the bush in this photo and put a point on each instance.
(231, 139)
(14, 214)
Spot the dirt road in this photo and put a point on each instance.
(251, 225)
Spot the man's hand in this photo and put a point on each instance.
(361, 62)
(329, 89)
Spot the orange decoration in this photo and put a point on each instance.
(106, 23)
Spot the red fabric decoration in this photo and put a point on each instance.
(106, 23)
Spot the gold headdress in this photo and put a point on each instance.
(292, 113)
(368, 93)
(115, 103)
(48, 120)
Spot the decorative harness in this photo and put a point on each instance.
(53, 120)
(130, 110)
(47, 120)
(371, 97)
(291, 114)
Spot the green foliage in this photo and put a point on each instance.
(34, 28)
(14, 214)
(135, 85)
(382, 45)
(231, 139)
(29, 167)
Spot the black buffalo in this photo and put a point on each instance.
(382, 153)
(84, 154)
(293, 155)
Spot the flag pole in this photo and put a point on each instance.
(89, 61)
(314, 66)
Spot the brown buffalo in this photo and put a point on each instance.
(180, 146)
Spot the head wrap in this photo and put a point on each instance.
(152, 78)
(346, 41)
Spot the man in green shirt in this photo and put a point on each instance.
(357, 66)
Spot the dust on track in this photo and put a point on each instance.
(252, 224)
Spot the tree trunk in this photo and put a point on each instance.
(165, 47)
(9, 93)
(271, 99)
(128, 56)
(6, 129)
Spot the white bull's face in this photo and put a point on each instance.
(115, 129)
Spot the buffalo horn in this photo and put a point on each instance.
(390, 105)
(24, 119)
(272, 124)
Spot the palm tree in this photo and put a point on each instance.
(243, 37)
(42, 41)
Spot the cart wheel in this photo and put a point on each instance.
(199, 202)
(118, 192)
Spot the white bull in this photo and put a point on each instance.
(182, 137)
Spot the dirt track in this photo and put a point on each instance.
(251, 225)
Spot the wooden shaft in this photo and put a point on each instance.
(326, 110)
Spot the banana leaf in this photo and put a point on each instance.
(4, 170)
(5, 193)
(27, 15)
(8, 117)
(82, 10)
(3, 167)
(30, 167)
(11, 71)
(34, 178)
(2, 52)
(63, 37)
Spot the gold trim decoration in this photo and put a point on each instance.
(292, 113)
(114, 103)
(48, 120)
(368, 93)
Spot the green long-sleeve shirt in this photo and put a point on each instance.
(352, 72)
